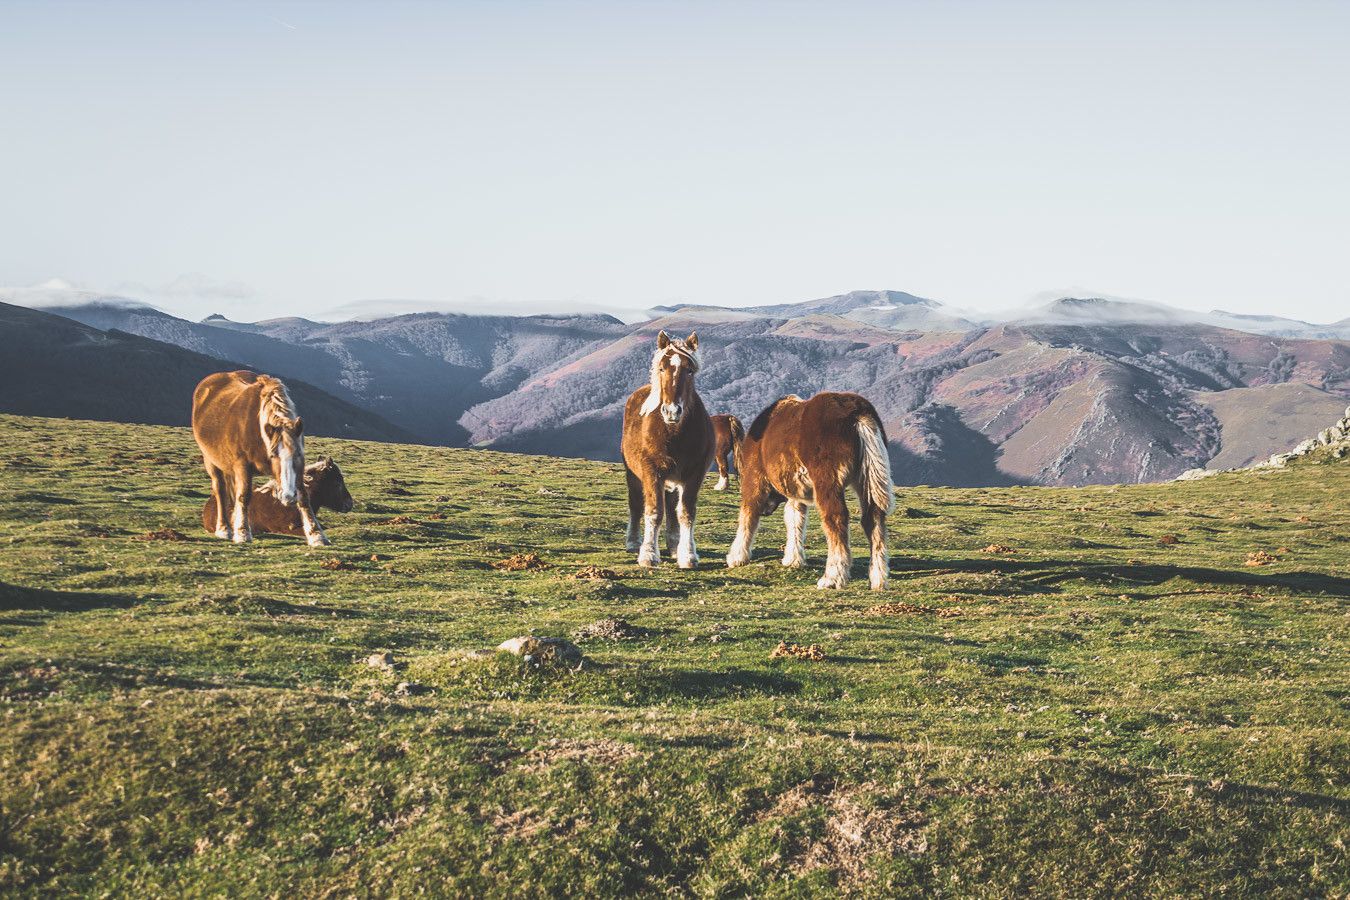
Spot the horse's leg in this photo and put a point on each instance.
(653, 505)
(631, 539)
(687, 509)
(834, 520)
(220, 493)
(243, 493)
(874, 526)
(753, 496)
(795, 514)
(721, 472)
(672, 522)
(313, 530)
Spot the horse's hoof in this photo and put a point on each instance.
(689, 562)
(319, 540)
(649, 559)
(721, 485)
(793, 563)
(223, 533)
(242, 538)
(827, 583)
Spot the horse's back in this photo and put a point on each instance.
(224, 412)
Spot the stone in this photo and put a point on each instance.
(541, 650)
(411, 689)
(380, 660)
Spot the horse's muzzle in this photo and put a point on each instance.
(672, 413)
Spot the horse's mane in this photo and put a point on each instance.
(275, 407)
(676, 345)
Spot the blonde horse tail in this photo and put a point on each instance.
(876, 463)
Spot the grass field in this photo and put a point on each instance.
(1121, 706)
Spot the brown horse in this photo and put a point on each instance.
(666, 455)
(246, 425)
(728, 433)
(325, 485)
(810, 451)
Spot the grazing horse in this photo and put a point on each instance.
(728, 432)
(246, 425)
(667, 449)
(325, 485)
(810, 451)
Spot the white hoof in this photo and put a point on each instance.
(737, 559)
(648, 557)
(830, 583)
(721, 484)
(689, 562)
(318, 539)
(793, 562)
(224, 533)
(242, 537)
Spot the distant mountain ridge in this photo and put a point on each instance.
(1081, 391)
(53, 366)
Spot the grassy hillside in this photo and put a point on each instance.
(1120, 706)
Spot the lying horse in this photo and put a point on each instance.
(325, 485)
(810, 451)
(666, 455)
(246, 425)
(727, 432)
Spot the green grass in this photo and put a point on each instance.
(1095, 714)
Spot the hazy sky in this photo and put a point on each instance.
(267, 158)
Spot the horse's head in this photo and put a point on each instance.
(673, 368)
(285, 440)
(327, 487)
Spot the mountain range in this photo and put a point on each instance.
(1082, 390)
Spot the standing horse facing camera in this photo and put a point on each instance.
(667, 449)
(811, 451)
(728, 434)
(246, 425)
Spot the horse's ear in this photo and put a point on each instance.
(299, 426)
(662, 341)
(692, 340)
(270, 432)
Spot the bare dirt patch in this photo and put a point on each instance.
(798, 651)
(333, 564)
(852, 831)
(520, 562)
(595, 573)
(998, 548)
(610, 630)
(398, 520)
(910, 609)
(1260, 558)
(588, 751)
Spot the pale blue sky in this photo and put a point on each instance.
(268, 158)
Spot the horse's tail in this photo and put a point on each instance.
(876, 462)
(737, 433)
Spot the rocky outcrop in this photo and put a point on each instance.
(1336, 439)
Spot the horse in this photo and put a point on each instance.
(811, 451)
(667, 449)
(325, 485)
(246, 425)
(728, 432)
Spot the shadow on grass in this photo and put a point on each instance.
(14, 597)
(1053, 571)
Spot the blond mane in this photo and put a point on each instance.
(676, 347)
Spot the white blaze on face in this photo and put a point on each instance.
(288, 490)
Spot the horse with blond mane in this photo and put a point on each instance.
(667, 449)
(246, 425)
(809, 452)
